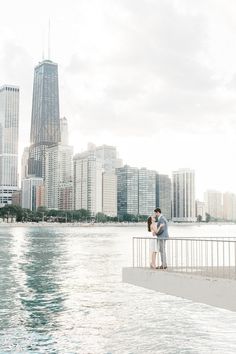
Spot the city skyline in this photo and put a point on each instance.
(154, 80)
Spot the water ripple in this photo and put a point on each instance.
(61, 292)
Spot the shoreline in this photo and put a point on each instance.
(115, 224)
(55, 224)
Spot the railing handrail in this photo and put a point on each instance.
(217, 239)
(212, 256)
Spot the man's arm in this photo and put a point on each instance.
(159, 228)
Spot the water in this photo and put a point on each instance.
(61, 292)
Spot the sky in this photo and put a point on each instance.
(155, 78)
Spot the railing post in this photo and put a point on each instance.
(133, 251)
(212, 258)
(223, 257)
(234, 259)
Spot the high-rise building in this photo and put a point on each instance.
(108, 156)
(163, 194)
(95, 181)
(146, 191)
(29, 192)
(88, 182)
(24, 163)
(45, 118)
(200, 210)
(64, 131)
(109, 193)
(9, 132)
(127, 190)
(40, 195)
(183, 197)
(213, 201)
(58, 177)
(16, 198)
(229, 206)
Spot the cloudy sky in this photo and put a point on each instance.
(156, 78)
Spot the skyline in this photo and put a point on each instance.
(159, 78)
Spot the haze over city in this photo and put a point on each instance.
(157, 81)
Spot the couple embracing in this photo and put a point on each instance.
(158, 229)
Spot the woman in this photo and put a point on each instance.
(152, 227)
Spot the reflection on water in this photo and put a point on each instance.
(41, 296)
(61, 292)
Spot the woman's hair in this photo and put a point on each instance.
(149, 221)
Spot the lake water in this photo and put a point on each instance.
(61, 292)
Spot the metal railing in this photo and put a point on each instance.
(210, 257)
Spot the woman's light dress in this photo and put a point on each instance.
(153, 246)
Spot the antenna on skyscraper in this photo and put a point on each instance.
(43, 45)
(49, 44)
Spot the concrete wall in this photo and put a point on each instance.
(211, 291)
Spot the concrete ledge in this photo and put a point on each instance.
(211, 291)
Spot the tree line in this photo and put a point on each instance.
(8, 213)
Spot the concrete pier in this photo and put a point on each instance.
(212, 291)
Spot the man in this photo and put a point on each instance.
(162, 232)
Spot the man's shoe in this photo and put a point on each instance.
(162, 267)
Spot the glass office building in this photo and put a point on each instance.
(45, 118)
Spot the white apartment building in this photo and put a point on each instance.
(29, 192)
(201, 210)
(107, 154)
(213, 200)
(59, 177)
(183, 195)
(9, 133)
(109, 193)
(95, 180)
(88, 182)
(229, 206)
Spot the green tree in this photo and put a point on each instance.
(208, 217)
(199, 218)
(41, 213)
(100, 217)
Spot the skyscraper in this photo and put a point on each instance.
(109, 193)
(9, 131)
(95, 180)
(183, 195)
(29, 192)
(229, 206)
(163, 194)
(58, 177)
(88, 182)
(45, 118)
(127, 190)
(213, 201)
(24, 163)
(107, 155)
(64, 131)
(146, 191)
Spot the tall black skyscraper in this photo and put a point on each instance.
(45, 119)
